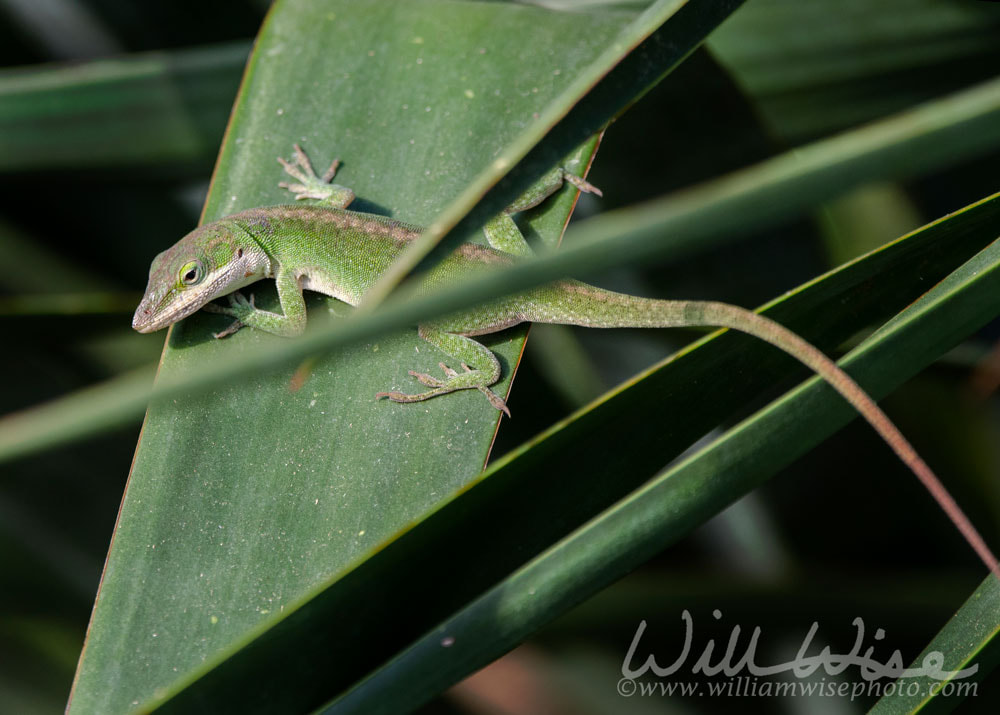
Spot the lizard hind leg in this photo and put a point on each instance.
(480, 369)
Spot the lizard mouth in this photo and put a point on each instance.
(149, 320)
(144, 320)
(138, 325)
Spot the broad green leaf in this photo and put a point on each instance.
(245, 497)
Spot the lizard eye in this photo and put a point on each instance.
(191, 273)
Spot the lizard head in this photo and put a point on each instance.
(211, 261)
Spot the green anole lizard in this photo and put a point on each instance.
(325, 248)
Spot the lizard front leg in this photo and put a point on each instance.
(289, 323)
(480, 365)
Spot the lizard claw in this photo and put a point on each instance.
(331, 172)
(239, 302)
(425, 379)
(293, 171)
(233, 328)
(399, 396)
(495, 400)
(581, 183)
(238, 308)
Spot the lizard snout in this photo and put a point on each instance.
(142, 319)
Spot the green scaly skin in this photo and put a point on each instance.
(323, 247)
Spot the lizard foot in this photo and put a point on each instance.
(239, 308)
(233, 328)
(310, 186)
(548, 185)
(470, 379)
(581, 183)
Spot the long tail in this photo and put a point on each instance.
(576, 305)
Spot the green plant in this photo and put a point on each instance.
(300, 540)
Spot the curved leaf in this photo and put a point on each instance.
(244, 497)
